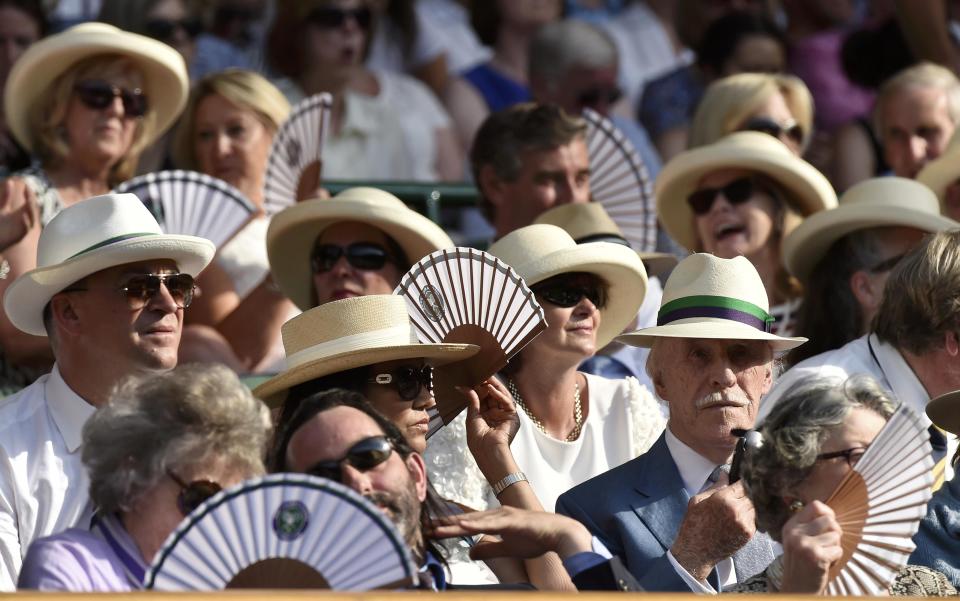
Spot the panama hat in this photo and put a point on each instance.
(809, 191)
(589, 222)
(539, 252)
(349, 333)
(944, 411)
(942, 171)
(710, 297)
(293, 231)
(877, 202)
(165, 74)
(90, 236)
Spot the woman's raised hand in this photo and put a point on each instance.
(811, 545)
(492, 422)
(18, 211)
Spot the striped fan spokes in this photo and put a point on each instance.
(284, 531)
(192, 203)
(463, 295)
(296, 155)
(879, 506)
(619, 182)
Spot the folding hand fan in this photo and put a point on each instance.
(879, 506)
(619, 182)
(283, 531)
(463, 295)
(191, 203)
(295, 163)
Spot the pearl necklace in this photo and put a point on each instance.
(577, 410)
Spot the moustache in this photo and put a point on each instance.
(721, 398)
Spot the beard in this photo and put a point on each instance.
(403, 509)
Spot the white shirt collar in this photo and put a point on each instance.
(68, 409)
(904, 383)
(694, 468)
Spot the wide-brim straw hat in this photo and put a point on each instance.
(710, 297)
(90, 236)
(165, 74)
(942, 171)
(808, 191)
(944, 411)
(878, 202)
(539, 252)
(294, 230)
(349, 333)
(589, 222)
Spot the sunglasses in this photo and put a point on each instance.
(164, 29)
(599, 95)
(194, 494)
(363, 456)
(569, 295)
(408, 381)
(98, 95)
(791, 130)
(332, 18)
(139, 289)
(852, 456)
(886, 264)
(736, 192)
(361, 255)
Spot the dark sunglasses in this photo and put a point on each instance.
(361, 255)
(852, 456)
(569, 295)
(139, 289)
(332, 18)
(194, 494)
(98, 95)
(164, 29)
(363, 456)
(594, 96)
(886, 264)
(791, 130)
(736, 192)
(409, 382)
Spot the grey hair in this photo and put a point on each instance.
(562, 45)
(171, 422)
(793, 434)
(921, 75)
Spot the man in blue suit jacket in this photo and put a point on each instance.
(671, 514)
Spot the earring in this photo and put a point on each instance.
(795, 506)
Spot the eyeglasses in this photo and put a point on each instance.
(98, 95)
(791, 130)
(886, 264)
(332, 18)
(363, 456)
(569, 295)
(194, 494)
(736, 192)
(139, 289)
(852, 456)
(595, 96)
(164, 29)
(361, 255)
(408, 381)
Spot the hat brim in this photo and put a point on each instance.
(940, 173)
(293, 231)
(710, 328)
(274, 391)
(27, 296)
(944, 411)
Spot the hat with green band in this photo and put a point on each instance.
(709, 297)
(90, 236)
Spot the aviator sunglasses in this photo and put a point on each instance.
(194, 494)
(165, 29)
(791, 130)
(332, 18)
(409, 382)
(360, 255)
(736, 192)
(98, 95)
(566, 295)
(363, 456)
(139, 289)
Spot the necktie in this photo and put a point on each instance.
(756, 555)
(938, 440)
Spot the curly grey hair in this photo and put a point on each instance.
(793, 434)
(171, 422)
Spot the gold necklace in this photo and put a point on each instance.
(577, 410)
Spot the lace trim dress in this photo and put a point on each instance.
(912, 581)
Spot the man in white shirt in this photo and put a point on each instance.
(109, 291)
(671, 513)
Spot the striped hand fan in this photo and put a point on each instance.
(296, 155)
(192, 203)
(619, 182)
(283, 531)
(879, 506)
(463, 295)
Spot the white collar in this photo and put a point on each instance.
(68, 409)
(694, 468)
(901, 378)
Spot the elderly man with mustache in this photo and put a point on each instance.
(673, 514)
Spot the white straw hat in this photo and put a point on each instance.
(165, 74)
(349, 333)
(942, 171)
(877, 202)
(293, 231)
(539, 252)
(808, 190)
(90, 236)
(710, 297)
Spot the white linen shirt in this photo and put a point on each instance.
(44, 487)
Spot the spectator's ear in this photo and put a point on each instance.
(418, 474)
(491, 186)
(864, 289)
(63, 316)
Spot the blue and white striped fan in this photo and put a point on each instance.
(192, 203)
(619, 182)
(284, 531)
(296, 155)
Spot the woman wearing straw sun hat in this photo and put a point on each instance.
(740, 196)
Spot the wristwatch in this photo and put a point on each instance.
(508, 481)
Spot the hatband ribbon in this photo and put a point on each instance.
(721, 307)
(399, 335)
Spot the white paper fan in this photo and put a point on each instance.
(463, 295)
(192, 203)
(619, 182)
(295, 163)
(879, 505)
(283, 531)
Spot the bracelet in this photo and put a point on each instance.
(508, 481)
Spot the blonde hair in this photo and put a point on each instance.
(730, 101)
(922, 75)
(46, 118)
(246, 89)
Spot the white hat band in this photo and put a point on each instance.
(403, 334)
